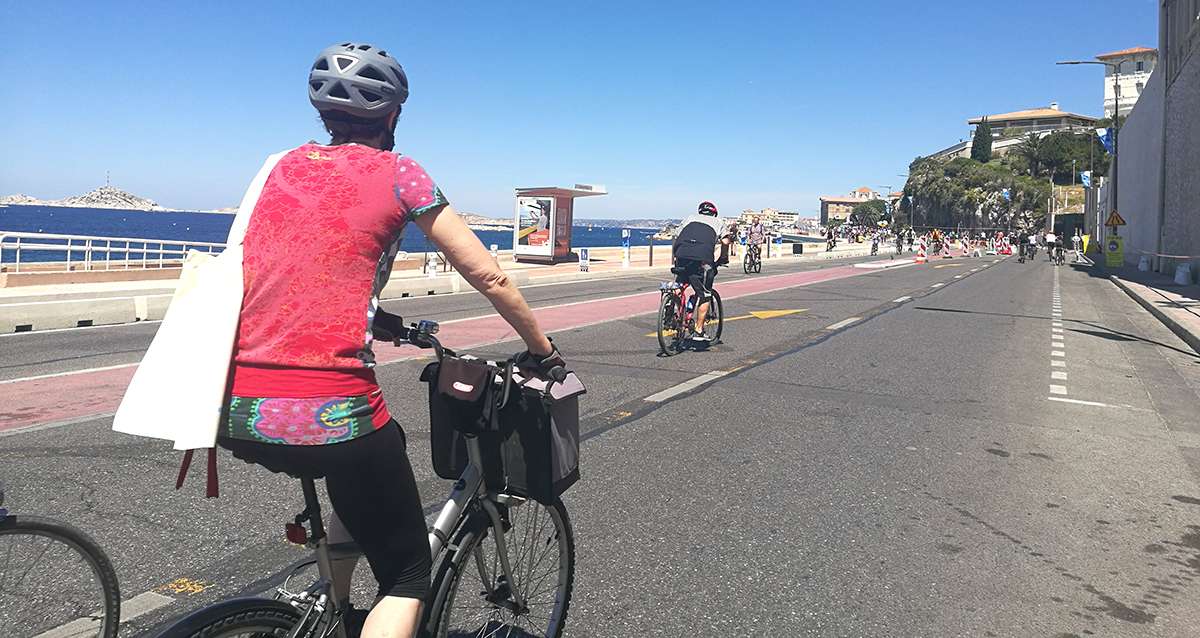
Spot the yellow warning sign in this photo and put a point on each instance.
(1115, 219)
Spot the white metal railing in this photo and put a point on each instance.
(83, 252)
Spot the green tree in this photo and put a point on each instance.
(868, 213)
(981, 146)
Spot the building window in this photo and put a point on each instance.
(1140, 86)
(1141, 66)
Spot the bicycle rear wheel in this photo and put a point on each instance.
(670, 324)
(475, 597)
(54, 577)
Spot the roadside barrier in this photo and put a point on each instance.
(921, 252)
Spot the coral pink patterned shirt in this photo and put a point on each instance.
(318, 249)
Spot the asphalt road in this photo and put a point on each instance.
(898, 458)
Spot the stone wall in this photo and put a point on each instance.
(1139, 160)
(1181, 223)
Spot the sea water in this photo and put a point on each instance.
(213, 227)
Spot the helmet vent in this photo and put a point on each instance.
(322, 65)
(316, 86)
(369, 96)
(364, 47)
(339, 91)
(370, 72)
(343, 61)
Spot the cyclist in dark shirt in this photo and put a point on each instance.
(695, 251)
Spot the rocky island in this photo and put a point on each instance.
(103, 197)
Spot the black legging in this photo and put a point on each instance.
(374, 493)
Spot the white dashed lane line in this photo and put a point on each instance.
(842, 324)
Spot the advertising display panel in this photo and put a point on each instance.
(534, 230)
(544, 219)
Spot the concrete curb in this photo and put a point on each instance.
(77, 313)
(49, 314)
(1189, 337)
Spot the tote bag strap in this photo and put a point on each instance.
(237, 231)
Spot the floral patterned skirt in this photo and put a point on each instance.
(310, 421)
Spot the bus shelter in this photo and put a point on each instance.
(543, 221)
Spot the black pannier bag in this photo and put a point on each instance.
(527, 427)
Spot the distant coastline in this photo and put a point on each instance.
(111, 197)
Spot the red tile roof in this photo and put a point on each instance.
(1124, 52)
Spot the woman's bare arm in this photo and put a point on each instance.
(466, 253)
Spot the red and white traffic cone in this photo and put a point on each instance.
(966, 247)
(921, 252)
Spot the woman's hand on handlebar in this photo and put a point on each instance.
(552, 365)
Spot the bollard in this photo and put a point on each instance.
(585, 258)
(625, 247)
(1183, 274)
(651, 264)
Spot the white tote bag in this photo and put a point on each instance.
(179, 388)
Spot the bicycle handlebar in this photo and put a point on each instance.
(420, 334)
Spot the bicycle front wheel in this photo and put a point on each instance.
(747, 263)
(55, 578)
(478, 599)
(716, 312)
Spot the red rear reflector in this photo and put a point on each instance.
(296, 533)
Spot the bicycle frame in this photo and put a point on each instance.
(324, 592)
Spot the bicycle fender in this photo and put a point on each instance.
(191, 623)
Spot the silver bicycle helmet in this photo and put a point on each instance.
(358, 79)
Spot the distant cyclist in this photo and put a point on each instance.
(1052, 246)
(1077, 246)
(755, 236)
(695, 252)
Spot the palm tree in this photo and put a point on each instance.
(1033, 151)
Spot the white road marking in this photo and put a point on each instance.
(1080, 402)
(1058, 389)
(1056, 330)
(1059, 375)
(937, 285)
(67, 374)
(139, 605)
(1056, 338)
(902, 300)
(1058, 364)
(1058, 353)
(1056, 324)
(690, 384)
(843, 323)
(974, 269)
(958, 276)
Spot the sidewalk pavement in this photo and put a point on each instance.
(1177, 306)
(46, 307)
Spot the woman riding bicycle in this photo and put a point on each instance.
(318, 249)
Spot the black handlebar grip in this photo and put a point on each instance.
(558, 373)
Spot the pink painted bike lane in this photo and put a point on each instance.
(96, 393)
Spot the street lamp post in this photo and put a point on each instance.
(1112, 171)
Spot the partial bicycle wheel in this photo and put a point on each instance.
(716, 312)
(476, 599)
(669, 323)
(238, 618)
(747, 263)
(757, 263)
(55, 578)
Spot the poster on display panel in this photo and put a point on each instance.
(533, 234)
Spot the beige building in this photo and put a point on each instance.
(838, 207)
(1008, 129)
(1133, 69)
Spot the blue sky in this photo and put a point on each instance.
(749, 104)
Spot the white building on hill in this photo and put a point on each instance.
(1133, 69)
